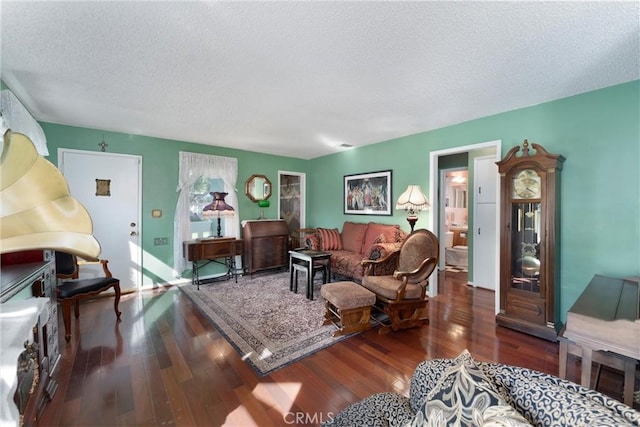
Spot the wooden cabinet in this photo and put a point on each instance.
(459, 236)
(33, 274)
(266, 245)
(212, 248)
(529, 237)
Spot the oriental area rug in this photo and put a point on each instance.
(268, 325)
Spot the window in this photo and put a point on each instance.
(199, 196)
(197, 174)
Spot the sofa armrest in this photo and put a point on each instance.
(382, 266)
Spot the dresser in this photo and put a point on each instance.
(266, 245)
(26, 275)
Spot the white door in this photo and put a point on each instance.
(108, 185)
(486, 172)
(484, 223)
(484, 239)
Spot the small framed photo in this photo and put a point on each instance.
(368, 193)
(103, 187)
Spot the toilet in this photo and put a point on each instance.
(448, 239)
(457, 256)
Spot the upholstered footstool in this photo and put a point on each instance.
(348, 306)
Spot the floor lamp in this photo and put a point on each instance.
(412, 200)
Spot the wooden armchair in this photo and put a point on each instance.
(71, 291)
(402, 295)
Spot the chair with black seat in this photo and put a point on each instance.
(72, 291)
(402, 296)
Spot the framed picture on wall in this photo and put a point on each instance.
(368, 193)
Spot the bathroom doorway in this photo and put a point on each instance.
(454, 223)
(484, 149)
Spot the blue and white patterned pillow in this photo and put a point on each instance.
(427, 375)
(551, 401)
(464, 397)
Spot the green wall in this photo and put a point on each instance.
(160, 161)
(597, 132)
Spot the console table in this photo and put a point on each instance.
(212, 250)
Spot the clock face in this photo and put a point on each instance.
(526, 185)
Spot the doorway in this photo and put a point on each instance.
(108, 185)
(454, 214)
(291, 200)
(495, 148)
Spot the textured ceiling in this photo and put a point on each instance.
(299, 78)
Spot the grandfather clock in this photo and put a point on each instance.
(529, 238)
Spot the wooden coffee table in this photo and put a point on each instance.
(310, 262)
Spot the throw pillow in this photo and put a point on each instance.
(460, 398)
(380, 239)
(312, 241)
(375, 229)
(353, 236)
(503, 416)
(330, 239)
(401, 235)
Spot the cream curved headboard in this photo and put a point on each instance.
(36, 209)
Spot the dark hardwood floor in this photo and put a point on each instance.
(164, 364)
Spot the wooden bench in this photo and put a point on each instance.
(348, 306)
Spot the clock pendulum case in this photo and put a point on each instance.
(529, 238)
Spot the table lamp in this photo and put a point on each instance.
(220, 207)
(412, 200)
(263, 204)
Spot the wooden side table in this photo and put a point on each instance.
(212, 250)
(308, 261)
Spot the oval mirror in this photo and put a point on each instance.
(257, 187)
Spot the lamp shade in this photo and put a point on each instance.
(264, 203)
(218, 203)
(413, 199)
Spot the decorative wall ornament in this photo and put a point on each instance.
(103, 145)
(103, 187)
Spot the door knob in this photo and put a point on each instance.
(133, 233)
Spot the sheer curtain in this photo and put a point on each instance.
(14, 116)
(192, 167)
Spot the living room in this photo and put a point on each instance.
(596, 131)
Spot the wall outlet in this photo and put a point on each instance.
(160, 241)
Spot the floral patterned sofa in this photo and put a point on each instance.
(460, 391)
(356, 242)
